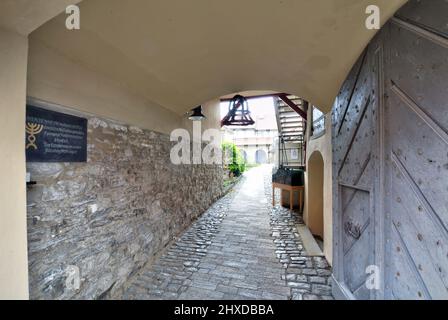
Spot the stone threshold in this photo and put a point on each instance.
(309, 242)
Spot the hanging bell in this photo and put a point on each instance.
(239, 114)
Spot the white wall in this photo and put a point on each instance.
(322, 145)
(54, 78)
(13, 237)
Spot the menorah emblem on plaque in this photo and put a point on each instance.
(33, 129)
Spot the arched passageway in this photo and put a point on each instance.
(261, 157)
(315, 218)
(166, 82)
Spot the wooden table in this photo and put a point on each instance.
(291, 190)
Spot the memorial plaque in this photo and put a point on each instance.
(54, 137)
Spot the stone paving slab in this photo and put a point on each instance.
(240, 249)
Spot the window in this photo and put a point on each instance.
(318, 127)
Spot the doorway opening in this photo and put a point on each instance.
(261, 157)
(315, 218)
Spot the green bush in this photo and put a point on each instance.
(233, 158)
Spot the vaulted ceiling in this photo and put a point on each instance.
(24, 16)
(181, 53)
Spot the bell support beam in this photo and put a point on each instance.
(255, 96)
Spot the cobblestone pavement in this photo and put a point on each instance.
(308, 277)
(240, 249)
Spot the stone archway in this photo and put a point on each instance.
(315, 213)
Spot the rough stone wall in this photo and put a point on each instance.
(110, 216)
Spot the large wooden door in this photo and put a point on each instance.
(354, 173)
(390, 138)
(416, 151)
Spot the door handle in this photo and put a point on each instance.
(352, 229)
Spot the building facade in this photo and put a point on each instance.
(256, 142)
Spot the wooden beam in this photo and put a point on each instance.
(255, 97)
(293, 106)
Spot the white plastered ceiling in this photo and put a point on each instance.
(180, 53)
(24, 16)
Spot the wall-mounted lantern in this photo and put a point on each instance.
(197, 114)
